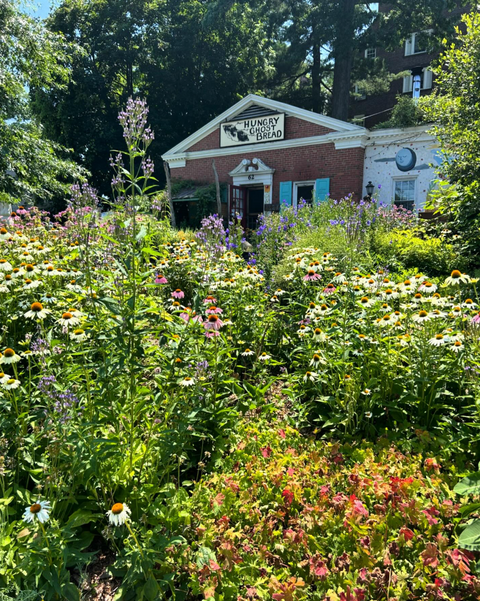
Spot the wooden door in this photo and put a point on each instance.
(238, 204)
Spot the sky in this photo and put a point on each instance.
(38, 8)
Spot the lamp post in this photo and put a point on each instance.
(370, 188)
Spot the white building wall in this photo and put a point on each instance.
(380, 167)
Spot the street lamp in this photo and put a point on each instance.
(370, 188)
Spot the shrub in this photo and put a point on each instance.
(406, 249)
(292, 518)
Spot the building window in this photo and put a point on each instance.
(303, 191)
(359, 93)
(371, 53)
(404, 193)
(416, 43)
(426, 81)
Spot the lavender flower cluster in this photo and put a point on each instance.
(64, 402)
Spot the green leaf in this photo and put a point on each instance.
(470, 537)
(469, 485)
(70, 592)
(150, 590)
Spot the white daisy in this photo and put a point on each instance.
(68, 320)
(310, 376)
(37, 312)
(248, 353)
(79, 335)
(9, 356)
(38, 511)
(457, 277)
(5, 265)
(11, 384)
(438, 340)
(421, 316)
(118, 514)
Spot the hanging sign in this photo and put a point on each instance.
(253, 130)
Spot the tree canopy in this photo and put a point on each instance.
(455, 111)
(31, 57)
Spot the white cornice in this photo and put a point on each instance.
(341, 140)
(400, 135)
(288, 109)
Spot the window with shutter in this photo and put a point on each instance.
(322, 189)
(285, 195)
(407, 84)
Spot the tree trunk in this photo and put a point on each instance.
(316, 98)
(343, 53)
(169, 193)
(217, 188)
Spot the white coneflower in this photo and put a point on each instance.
(390, 293)
(248, 353)
(319, 335)
(39, 511)
(310, 376)
(9, 356)
(386, 320)
(438, 340)
(428, 287)
(368, 414)
(4, 234)
(5, 265)
(457, 277)
(68, 320)
(11, 384)
(37, 311)
(469, 304)
(264, 357)
(366, 302)
(436, 314)
(339, 278)
(421, 316)
(118, 514)
(457, 346)
(79, 335)
(249, 308)
(4, 378)
(31, 284)
(75, 312)
(187, 382)
(367, 392)
(317, 359)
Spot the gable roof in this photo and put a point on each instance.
(342, 127)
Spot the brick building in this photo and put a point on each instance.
(268, 154)
(414, 57)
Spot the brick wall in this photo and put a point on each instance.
(294, 128)
(378, 108)
(343, 167)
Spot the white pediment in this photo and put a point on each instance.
(342, 128)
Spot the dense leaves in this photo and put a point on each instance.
(31, 166)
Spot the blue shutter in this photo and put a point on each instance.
(322, 189)
(285, 195)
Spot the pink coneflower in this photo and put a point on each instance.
(213, 310)
(311, 276)
(330, 289)
(213, 323)
(476, 318)
(210, 300)
(211, 334)
(178, 293)
(161, 279)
